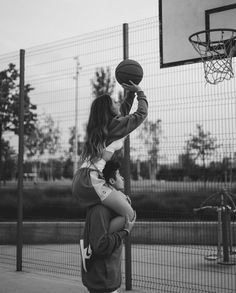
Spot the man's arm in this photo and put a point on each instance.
(102, 242)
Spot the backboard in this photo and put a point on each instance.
(181, 18)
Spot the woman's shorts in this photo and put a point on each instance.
(89, 187)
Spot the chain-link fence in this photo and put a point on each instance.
(183, 153)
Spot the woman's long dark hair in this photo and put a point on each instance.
(101, 113)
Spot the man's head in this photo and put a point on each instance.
(112, 175)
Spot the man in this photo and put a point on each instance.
(101, 251)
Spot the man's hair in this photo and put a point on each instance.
(110, 169)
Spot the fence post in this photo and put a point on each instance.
(128, 268)
(20, 165)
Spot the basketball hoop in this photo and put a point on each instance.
(216, 48)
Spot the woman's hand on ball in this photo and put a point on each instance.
(131, 87)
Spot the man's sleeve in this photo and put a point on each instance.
(102, 242)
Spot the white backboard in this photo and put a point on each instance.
(181, 18)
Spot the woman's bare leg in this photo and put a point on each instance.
(117, 201)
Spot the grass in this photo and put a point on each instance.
(151, 199)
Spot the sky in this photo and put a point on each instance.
(28, 23)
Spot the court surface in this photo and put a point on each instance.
(155, 268)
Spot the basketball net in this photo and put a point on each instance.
(216, 48)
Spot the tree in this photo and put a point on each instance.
(202, 146)
(151, 133)
(68, 169)
(8, 161)
(121, 96)
(9, 105)
(102, 83)
(187, 161)
(71, 149)
(45, 139)
(71, 142)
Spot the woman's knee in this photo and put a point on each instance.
(117, 201)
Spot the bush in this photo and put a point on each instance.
(40, 204)
(56, 203)
(168, 205)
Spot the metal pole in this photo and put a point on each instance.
(225, 240)
(219, 234)
(76, 114)
(20, 165)
(225, 231)
(128, 267)
(229, 228)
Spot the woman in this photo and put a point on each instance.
(107, 127)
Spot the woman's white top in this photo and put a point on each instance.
(111, 148)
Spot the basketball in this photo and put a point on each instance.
(129, 70)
